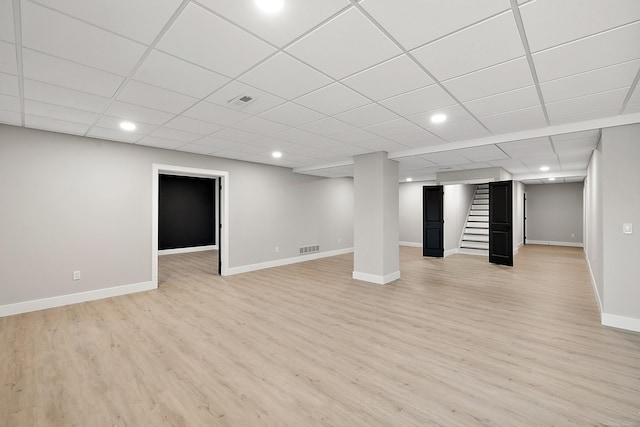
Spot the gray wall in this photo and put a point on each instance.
(621, 204)
(554, 213)
(410, 224)
(518, 214)
(593, 219)
(74, 203)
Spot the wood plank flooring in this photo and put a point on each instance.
(455, 342)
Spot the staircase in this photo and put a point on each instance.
(475, 239)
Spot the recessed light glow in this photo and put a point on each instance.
(438, 118)
(544, 168)
(270, 6)
(552, 179)
(409, 179)
(128, 126)
(276, 154)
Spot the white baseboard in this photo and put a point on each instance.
(59, 301)
(411, 244)
(517, 248)
(188, 250)
(548, 243)
(451, 252)
(621, 322)
(374, 278)
(595, 287)
(285, 261)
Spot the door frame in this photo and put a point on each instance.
(223, 237)
(501, 227)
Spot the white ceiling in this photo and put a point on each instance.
(331, 79)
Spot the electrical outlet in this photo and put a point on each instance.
(277, 249)
(76, 275)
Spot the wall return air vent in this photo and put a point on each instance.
(241, 100)
(304, 250)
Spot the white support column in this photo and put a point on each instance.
(376, 238)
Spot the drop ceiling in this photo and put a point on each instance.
(523, 83)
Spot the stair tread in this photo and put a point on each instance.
(475, 245)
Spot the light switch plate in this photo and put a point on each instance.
(627, 228)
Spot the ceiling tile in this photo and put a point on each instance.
(635, 96)
(65, 97)
(48, 69)
(503, 102)
(57, 112)
(108, 122)
(229, 154)
(9, 103)
(587, 103)
(367, 115)
(136, 113)
(332, 99)
(345, 45)
(152, 141)
(377, 84)
(260, 126)
(381, 144)
(216, 143)
(490, 81)
(592, 135)
(175, 135)
(140, 20)
(236, 135)
(269, 143)
(261, 101)
(296, 135)
(529, 147)
(579, 161)
(549, 23)
(192, 125)
(586, 116)
(445, 158)
(488, 43)
(195, 148)
(54, 125)
(392, 127)
(113, 135)
(600, 80)
(155, 97)
(285, 76)
(483, 153)
(514, 121)
(417, 137)
(327, 126)
(291, 114)
(57, 34)
(632, 108)
(322, 143)
(281, 28)
(353, 136)
(589, 53)
(511, 165)
(467, 129)
(212, 113)
(348, 150)
(172, 73)
(7, 32)
(239, 51)
(10, 118)
(9, 85)
(418, 101)
(575, 146)
(434, 18)
(8, 62)
(536, 161)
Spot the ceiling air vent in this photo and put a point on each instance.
(241, 100)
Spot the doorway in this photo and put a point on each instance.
(223, 212)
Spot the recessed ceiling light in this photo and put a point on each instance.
(270, 6)
(544, 168)
(409, 179)
(128, 126)
(276, 154)
(552, 179)
(438, 118)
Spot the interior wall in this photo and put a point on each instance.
(410, 225)
(457, 200)
(621, 204)
(83, 204)
(593, 219)
(555, 213)
(518, 214)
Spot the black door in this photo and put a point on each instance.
(433, 221)
(219, 226)
(501, 223)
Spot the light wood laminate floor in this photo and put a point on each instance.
(455, 342)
